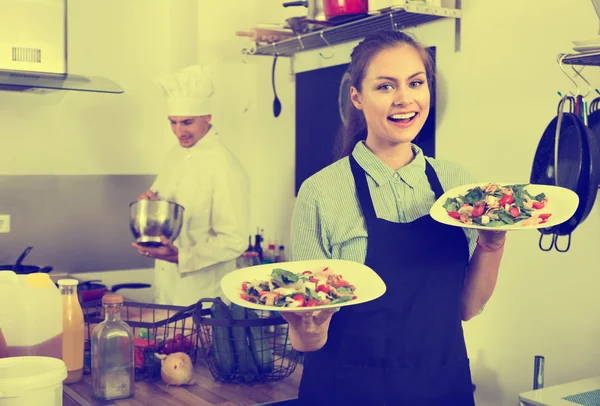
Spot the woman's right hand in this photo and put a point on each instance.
(308, 330)
(148, 195)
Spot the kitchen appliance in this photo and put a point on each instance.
(342, 11)
(33, 50)
(149, 219)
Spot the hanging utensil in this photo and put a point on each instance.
(276, 102)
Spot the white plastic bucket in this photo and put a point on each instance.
(32, 381)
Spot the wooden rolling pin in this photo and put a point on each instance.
(265, 35)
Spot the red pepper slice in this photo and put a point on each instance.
(454, 214)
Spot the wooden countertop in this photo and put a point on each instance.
(206, 392)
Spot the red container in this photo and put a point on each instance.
(334, 9)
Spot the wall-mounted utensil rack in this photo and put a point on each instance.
(583, 59)
(397, 18)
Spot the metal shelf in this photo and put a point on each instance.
(583, 59)
(409, 15)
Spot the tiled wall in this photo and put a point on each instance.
(74, 223)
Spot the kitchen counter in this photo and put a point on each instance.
(206, 392)
(583, 392)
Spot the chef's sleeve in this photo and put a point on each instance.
(308, 235)
(229, 224)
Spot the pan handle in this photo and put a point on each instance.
(560, 113)
(130, 286)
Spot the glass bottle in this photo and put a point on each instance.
(73, 330)
(113, 365)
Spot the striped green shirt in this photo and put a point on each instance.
(327, 220)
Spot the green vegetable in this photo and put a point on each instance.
(246, 365)
(261, 350)
(145, 334)
(341, 299)
(222, 340)
(283, 276)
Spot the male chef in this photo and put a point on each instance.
(204, 177)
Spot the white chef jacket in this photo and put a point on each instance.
(212, 186)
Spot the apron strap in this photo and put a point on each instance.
(433, 179)
(362, 190)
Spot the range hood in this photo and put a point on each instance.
(33, 50)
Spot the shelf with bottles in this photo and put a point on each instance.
(258, 253)
(396, 17)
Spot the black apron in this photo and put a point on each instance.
(406, 348)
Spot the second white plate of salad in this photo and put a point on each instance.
(505, 206)
(303, 285)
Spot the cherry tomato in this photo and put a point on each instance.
(454, 214)
(478, 211)
(313, 279)
(312, 302)
(514, 211)
(506, 199)
(323, 288)
(300, 299)
(538, 205)
(244, 286)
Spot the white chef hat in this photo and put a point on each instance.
(188, 91)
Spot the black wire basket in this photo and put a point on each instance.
(242, 345)
(156, 328)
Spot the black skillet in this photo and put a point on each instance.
(568, 158)
(21, 269)
(594, 123)
(587, 187)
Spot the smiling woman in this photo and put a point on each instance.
(372, 206)
(379, 86)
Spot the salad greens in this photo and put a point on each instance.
(496, 205)
(308, 289)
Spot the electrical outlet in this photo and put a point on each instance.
(4, 223)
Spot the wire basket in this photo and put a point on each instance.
(243, 345)
(156, 328)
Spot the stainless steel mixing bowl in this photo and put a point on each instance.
(149, 219)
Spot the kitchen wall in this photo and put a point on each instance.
(72, 161)
(496, 97)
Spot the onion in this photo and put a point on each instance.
(176, 369)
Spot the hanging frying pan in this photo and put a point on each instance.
(594, 124)
(587, 187)
(559, 164)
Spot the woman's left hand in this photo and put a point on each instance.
(168, 252)
(492, 240)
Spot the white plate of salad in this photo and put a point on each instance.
(303, 285)
(505, 206)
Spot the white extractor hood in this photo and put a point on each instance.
(33, 50)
